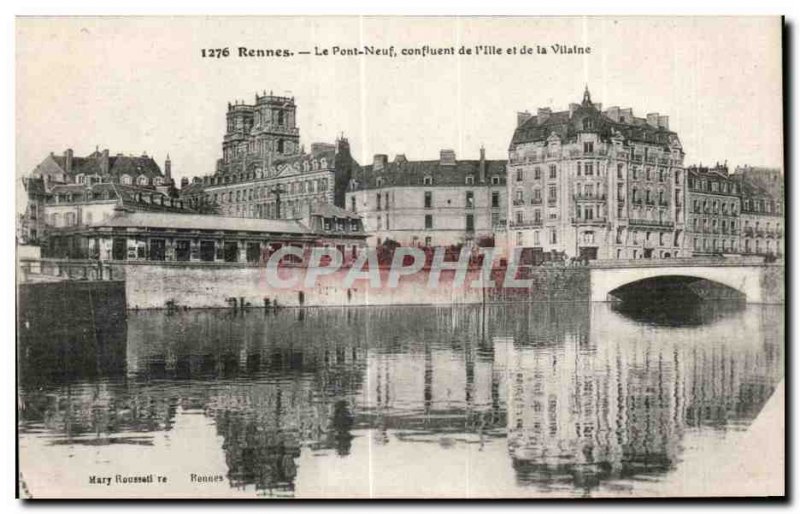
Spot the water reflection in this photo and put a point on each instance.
(553, 398)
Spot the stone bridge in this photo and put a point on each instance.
(759, 281)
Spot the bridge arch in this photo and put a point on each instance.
(745, 279)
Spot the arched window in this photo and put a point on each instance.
(125, 179)
(142, 180)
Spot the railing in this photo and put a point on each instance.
(651, 223)
(536, 201)
(519, 201)
(525, 224)
(593, 221)
(48, 270)
(589, 196)
(678, 262)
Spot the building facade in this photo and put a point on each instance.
(148, 236)
(762, 227)
(264, 172)
(67, 190)
(595, 184)
(713, 208)
(442, 202)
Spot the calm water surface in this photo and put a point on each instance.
(514, 400)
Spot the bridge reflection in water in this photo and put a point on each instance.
(519, 400)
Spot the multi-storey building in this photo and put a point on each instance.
(440, 202)
(595, 184)
(67, 190)
(713, 206)
(264, 172)
(761, 220)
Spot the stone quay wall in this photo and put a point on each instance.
(207, 285)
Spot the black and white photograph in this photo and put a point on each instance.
(399, 257)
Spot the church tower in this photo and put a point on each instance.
(260, 132)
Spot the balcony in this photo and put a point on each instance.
(595, 197)
(525, 224)
(593, 221)
(536, 201)
(519, 201)
(651, 223)
(551, 202)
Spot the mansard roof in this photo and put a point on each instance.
(413, 173)
(91, 165)
(172, 221)
(568, 124)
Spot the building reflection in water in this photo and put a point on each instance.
(576, 395)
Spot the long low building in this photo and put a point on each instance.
(149, 236)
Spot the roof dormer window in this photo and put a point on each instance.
(428, 181)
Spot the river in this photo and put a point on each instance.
(516, 400)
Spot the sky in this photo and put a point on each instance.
(136, 85)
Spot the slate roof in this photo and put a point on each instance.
(568, 126)
(204, 222)
(117, 165)
(413, 173)
(328, 210)
(127, 195)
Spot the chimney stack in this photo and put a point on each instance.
(104, 165)
(663, 122)
(447, 157)
(68, 161)
(482, 165)
(572, 109)
(379, 161)
(542, 114)
(652, 119)
(522, 117)
(184, 182)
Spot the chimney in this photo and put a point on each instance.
(447, 157)
(522, 117)
(168, 168)
(613, 113)
(104, 166)
(572, 109)
(184, 182)
(652, 119)
(68, 161)
(626, 115)
(663, 122)
(482, 165)
(379, 161)
(542, 114)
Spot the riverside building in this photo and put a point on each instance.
(443, 202)
(595, 184)
(264, 172)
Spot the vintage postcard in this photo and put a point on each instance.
(400, 257)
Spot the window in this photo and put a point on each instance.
(537, 173)
(428, 199)
(551, 194)
(495, 199)
(378, 201)
(470, 180)
(588, 169)
(495, 180)
(353, 203)
(470, 199)
(553, 236)
(553, 171)
(536, 237)
(519, 217)
(620, 171)
(428, 181)
(126, 179)
(519, 175)
(470, 223)
(588, 147)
